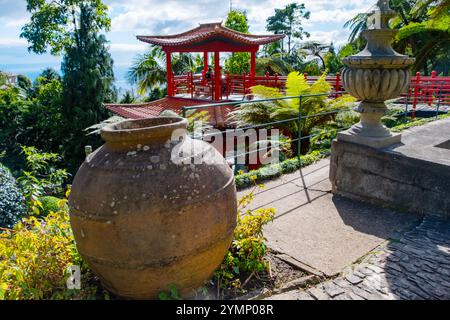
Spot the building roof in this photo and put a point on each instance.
(218, 115)
(210, 32)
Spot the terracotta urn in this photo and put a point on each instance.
(153, 208)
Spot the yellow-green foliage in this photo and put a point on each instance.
(248, 249)
(282, 110)
(34, 257)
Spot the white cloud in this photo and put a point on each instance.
(128, 47)
(171, 16)
(12, 42)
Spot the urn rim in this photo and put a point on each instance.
(147, 129)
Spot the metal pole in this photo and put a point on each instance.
(439, 102)
(299, 153)
(407, 105)
(299, 142)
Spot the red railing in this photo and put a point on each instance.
(428, 90)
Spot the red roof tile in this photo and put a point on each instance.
(154, 108)
(210, 31)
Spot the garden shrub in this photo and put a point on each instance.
(34, 257)
(275, 170)
(248, 250)
(50, 204)
(12, 205)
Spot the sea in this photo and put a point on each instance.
(32, 71)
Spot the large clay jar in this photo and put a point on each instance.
(153, 208)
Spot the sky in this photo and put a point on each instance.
(153, 17)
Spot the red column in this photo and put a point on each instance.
(218, 89)
(217, 77)
(170, 87)
(253, 68)
(205, 63)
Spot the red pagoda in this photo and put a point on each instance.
(211, 85)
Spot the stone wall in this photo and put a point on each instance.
(388, 178)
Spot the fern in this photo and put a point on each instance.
(258, 113)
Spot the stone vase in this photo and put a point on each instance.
(147, 211)
(376, 74)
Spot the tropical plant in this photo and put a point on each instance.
(315, 49)
(273, 65)
(149, 69)
(128, 97)
(332, 60)
(258, 113)
(357, 24)
(424, 31)
(12, 202)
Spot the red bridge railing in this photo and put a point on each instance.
(423, 90)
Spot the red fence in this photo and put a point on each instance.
(428, 90)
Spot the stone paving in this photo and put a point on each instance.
(320, 231)
(416, 267)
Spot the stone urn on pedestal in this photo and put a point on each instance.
(375, 75)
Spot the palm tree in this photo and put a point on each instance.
(357, 25)
(437, 8)
(149, 69)
(274, 64)
(315, 49)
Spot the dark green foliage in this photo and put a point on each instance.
(238, 62)
(52, 22)
(156, 94)
(87, 84)
(12, 202)
(32, 118)
(128, 97)
(332, 61)
(24, 82)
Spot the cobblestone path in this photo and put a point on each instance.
(416, 267)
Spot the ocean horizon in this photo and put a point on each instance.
(32, 71)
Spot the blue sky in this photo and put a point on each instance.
(148, 17)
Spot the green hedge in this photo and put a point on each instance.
(276, 170)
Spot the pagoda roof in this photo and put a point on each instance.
(210, 32)
(154, 108)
